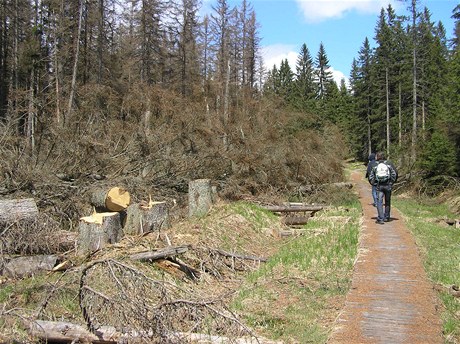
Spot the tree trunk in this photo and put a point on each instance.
(18, 210)
(399, 115)
(98, 230)
(73, 85)
(114, 199)
(142, 219)
(199, 197)
(414, 83)
(388, 111)
(30, 132)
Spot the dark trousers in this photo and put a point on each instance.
(383, 193)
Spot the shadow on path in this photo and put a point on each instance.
(391, 299)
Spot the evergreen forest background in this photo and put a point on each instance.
(148, 93)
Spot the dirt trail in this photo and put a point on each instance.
(391, 299)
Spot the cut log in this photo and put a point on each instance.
(27, 266)
(18, 210)
(66, 332)
(200, 197)
(163, 253)
(115, 199)
(98, 230)
(146, 217)
(292, 209)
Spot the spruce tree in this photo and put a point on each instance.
(304, 91)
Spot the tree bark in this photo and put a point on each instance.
(18, 210)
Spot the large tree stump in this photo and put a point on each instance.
(15, 210)
(146, 217)
(98, 230)
(115, 199)
(200, 197)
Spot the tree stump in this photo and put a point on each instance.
(15, 210)
(98, 230)
(199, 197)
(146, 217)
(115, 199)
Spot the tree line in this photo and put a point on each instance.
(403, 96)
(53, 52)
(67, 64)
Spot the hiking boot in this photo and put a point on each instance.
(380, 222)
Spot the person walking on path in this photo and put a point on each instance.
(370, 165)
(383, 175)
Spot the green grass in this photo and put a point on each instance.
(440, 248)
(296, 295)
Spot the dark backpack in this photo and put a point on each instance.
(382, 172)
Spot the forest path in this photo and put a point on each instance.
(391, 299)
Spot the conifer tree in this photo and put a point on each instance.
(323, 76)
(304, 88)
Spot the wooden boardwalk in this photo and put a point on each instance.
(391, 299)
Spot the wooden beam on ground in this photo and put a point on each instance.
(291, 209)
(296, 220)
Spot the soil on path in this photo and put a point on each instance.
(391, 299)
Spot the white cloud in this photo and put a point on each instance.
(319, 10)
(274, 54)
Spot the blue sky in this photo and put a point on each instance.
(342, 26)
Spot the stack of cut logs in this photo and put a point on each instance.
(114, 216)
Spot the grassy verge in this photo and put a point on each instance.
(297, 295)
(440, 248)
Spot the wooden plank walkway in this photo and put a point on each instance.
(391, 299)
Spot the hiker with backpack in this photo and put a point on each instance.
(370, 165)
(383, 175)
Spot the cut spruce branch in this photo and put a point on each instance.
(15, 210)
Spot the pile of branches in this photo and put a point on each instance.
(115, 294)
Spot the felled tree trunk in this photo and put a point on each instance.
(199, 197)
(26, 266)
(18, 210)
(115, 199)
(147, 217)
(98, 230)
